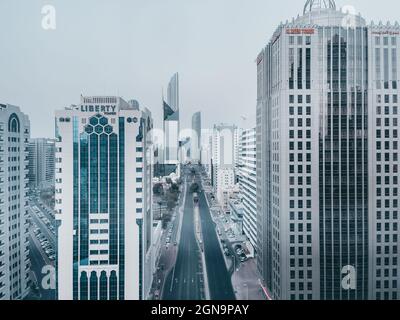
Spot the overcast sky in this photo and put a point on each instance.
(131, 48)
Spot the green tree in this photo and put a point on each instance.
(194, 187)
(158, 189)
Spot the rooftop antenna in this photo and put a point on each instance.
(312, 5)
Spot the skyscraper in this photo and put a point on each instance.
(103, 200)
(41, 154)
(173, 92)
(14, 245)
(327, 157)
(224, 159)
(247, 182)
(196, 138)
(171, 124)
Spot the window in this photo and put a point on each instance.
(299, 40)
(385, 41)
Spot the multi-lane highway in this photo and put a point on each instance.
(219, 279)
(185, 280)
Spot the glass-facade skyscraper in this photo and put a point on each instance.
(103, 200)
(327, 157)
(171, 123)
(196, 137)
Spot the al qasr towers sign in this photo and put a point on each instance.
(300, 31)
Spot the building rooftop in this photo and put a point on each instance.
(318, 5)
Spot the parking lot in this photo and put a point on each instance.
(43, 227)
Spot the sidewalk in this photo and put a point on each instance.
(246, 282)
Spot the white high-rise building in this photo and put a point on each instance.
(247, 182)
(327, 157)
(41, 153)
(103, 200)
(224, 160)
(14, 243)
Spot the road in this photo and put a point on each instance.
(219, 278)
(185, 280)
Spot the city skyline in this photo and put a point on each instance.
(148, 153)
(33, 54)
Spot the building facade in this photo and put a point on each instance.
(41, 153)
(224, 148)
(327, 202)
(14, 242)
(103, 200)
(248, 182)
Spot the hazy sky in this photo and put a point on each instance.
(131, 48)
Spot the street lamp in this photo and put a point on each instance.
(247, 290)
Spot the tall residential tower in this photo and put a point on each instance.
(41, 163)
(248, 182)
(14, 244)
